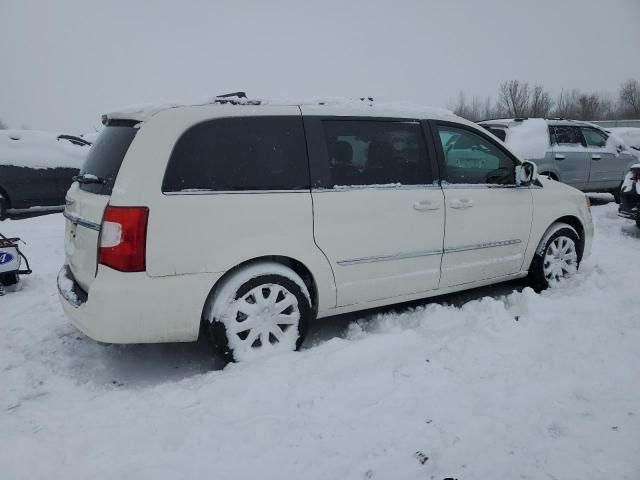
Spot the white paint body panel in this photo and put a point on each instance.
(494, 215)
(194, 239)
(379, 245)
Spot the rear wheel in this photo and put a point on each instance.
(557, 260)
(260, 310)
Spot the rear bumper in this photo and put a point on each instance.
(136, 308)
(629, 206)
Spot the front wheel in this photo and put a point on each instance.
(556, 260)
(259, 310)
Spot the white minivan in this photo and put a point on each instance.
(249, 220)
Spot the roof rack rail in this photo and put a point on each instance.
(235, 98)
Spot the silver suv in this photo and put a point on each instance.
(580, 154)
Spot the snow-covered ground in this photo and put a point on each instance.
(514, 385)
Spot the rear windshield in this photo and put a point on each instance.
(498, 132)
(105, 157)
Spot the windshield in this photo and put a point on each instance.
(105, 158)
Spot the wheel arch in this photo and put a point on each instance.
(573, 222)
(297, 266)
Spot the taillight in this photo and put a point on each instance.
(123, 238)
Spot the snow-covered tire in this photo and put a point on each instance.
(557, 257)
(261, 309)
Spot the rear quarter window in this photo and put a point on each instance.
(105, 157)
(240, 153)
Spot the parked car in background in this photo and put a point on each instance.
(630, 195)
(37, 168)
(579, 154)
(251, 221)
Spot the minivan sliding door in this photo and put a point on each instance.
(378, 216)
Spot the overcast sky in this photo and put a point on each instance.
(63, 63)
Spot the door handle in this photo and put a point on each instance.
(595, 157)
(426, 205)
(461, 203)
(560, 157)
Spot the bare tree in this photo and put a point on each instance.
(459, 106)
(630, 96)
(488, 110)
(588, 107)
(567, 104)
(471, 111)
(608, 107)
(513, 98)
(541, 103)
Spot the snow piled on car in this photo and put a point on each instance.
(498, 382)
(529, 139)
(630, 135)
(36, 149)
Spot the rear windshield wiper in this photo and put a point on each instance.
(88, 178)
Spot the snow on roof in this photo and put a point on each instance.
(144, 112)
(509, 122)
(530, 139)
(37, 149)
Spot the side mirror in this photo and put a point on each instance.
(526, 174)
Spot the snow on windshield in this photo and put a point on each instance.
(35, 149)
(529, 139)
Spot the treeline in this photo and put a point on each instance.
(517, 98)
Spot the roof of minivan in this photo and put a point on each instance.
(332, 106)
(507, 122)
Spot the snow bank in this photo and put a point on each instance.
(511, 385)
(35, 149)
(529, 139)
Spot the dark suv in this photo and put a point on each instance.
(37, 168)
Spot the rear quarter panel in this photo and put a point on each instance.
(206, 232)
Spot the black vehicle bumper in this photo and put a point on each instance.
(630, 206)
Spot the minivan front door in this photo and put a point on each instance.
(378, 217)
(488, 218)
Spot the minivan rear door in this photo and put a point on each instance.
(378, 216)
(88, 197)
